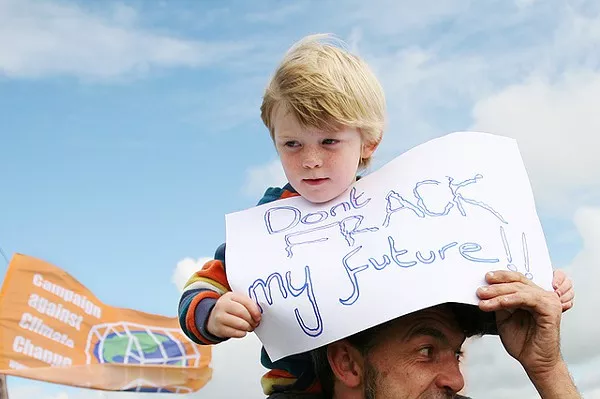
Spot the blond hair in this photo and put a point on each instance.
(325, 86)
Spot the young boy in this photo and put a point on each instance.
(325, 111)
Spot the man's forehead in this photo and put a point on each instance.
(440, 317)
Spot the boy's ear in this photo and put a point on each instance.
(346, 363)
(368, 149)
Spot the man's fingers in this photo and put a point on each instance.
(491, 291)
(525, 299)
(506, 276)
(509, 301)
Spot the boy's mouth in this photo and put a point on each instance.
(315, 182)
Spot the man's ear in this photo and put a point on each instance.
(346, 363)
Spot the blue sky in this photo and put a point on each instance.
(129, 129)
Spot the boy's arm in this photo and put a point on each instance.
(206, 286)
(199, 296)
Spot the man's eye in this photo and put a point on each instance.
(330, 141)
(427, 351)
(459, 355)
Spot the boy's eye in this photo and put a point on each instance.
(292, 143)
(330, 141)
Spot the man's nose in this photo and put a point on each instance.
(450, 377)
(312, 158)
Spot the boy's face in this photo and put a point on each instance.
(320, 165)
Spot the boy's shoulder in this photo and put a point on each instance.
(274, 193)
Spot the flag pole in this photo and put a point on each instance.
(3, 388)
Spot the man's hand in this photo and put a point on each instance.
(528, 318)
(233, 316)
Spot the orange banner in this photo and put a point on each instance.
(54, 329)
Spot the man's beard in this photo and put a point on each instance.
(371, 378)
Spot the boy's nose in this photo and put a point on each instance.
(312, 159)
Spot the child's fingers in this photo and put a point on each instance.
(566, 306)
(558, 278)
(567, 296)
(254, 310)
(250, 306)
(239, 310)
(229, 321)
(229, 332)
(564, 287)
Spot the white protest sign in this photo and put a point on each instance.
(422, 230)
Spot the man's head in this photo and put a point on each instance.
(414, 356)
(325, 110)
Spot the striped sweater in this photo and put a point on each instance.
(291, 374)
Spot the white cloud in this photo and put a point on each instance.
(36, 390)
(580, 331)
(276, 16)
(22, 392)
(213, 111)
(43, 38)
(259, 178)
(556, 125)
(491, 373)
(184, 270)
(588, 378)
(236, 370)
(393, 18)
(539, 84)
(595, 394)
(524, 3)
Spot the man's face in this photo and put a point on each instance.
(416, 357)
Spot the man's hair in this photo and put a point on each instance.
(470, 319)
(325, 86)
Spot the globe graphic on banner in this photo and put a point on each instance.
(150, 348)
(137, 344)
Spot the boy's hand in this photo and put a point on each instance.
(233, 316)
(563, 286)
